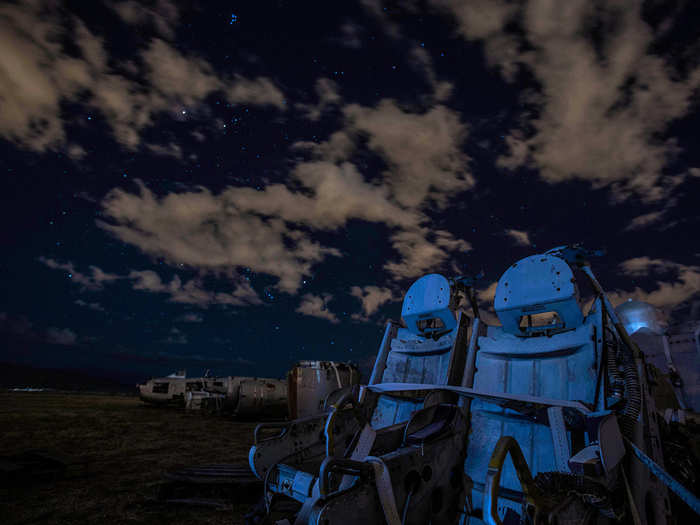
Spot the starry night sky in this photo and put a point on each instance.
(238, 186)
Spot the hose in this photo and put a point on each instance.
(630, 353)
(627, 374)
(633, 393)
(612, 350)
(405, 506)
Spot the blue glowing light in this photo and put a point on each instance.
(633, 327)
(234, 19)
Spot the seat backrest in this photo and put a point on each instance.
(412, 360)
(560, 365)
(413, 355)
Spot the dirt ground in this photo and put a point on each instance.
(117, 449)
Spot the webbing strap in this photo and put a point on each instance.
(305, 511)
(362, 450)
(559, 438)
(337, 374)
(382, 478)
(500, 398)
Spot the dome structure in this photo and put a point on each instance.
(636, 315)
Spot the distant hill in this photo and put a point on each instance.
(14, 375)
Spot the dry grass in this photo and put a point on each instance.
(118, 449)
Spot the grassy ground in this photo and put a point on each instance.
(118, 449)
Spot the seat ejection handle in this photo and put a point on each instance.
(533, 496)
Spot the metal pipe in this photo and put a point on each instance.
(611, 312)
(630, 364)
(470, 365)
(380, 362)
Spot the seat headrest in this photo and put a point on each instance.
(535, 285)
(426, 307)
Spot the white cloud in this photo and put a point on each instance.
(519, 236)
(190, 318)
(372, 297)
(488, 294)
(76, 151)
(667, 293)
(260, 91)
(163, 15)
(38, 75)
(170, 150)
(328, 96)
(646, 265)
(188, 292)
(271, 230)
(211, 233)
(61, 336)
(350, 35)
(485, 299)
(92, 306)
(423, 150)
(175, 337)
(340, 193)
(193, 291)
(422, 250)
(642, 221)
(317, 306)
(268, 230)
(602, 106)
(94, 281)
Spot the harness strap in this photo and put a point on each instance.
(385, 490)
(362, 450)
(559, 439)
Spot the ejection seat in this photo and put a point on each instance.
(546, 349)
(373, 455)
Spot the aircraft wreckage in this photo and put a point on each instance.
(303, 393)
(555, 416)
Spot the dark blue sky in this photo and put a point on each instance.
(203, 185)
